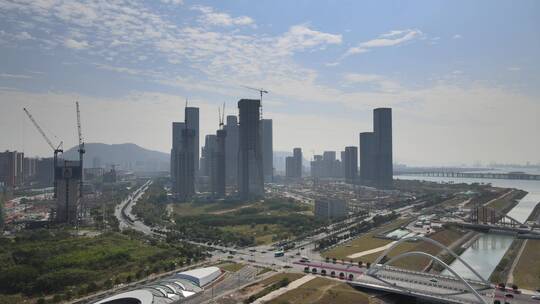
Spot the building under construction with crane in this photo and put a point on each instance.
(68, 177)
(250, 158)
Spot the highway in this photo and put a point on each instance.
(123, 212)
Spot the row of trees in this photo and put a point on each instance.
(359, 228)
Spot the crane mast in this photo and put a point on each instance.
(81, 147)
(56, 150)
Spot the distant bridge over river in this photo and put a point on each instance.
(455, 174)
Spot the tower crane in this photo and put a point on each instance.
(221, 116)
(261, 92)
(81, 147)
(56, 150)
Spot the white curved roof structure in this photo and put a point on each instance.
(201, 276)
(171, 290)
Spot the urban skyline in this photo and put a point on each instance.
(302, 152)
(347, 69)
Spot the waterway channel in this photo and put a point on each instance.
(486, 252)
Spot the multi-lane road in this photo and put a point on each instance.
(123, 211)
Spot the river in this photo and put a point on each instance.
(486, 252)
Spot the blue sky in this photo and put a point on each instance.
(462, 76)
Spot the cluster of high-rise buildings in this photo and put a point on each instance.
(374, 152)
(16, 170)
(238, 158)
(293, 164)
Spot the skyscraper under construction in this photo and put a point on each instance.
(231, 151)
(68, 175)
(184, 154)
(250, 162)
(218, 165)
(186, 166)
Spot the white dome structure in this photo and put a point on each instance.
(174, 289)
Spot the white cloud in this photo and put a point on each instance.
(211, 17)
(382, 42)
(175, 2)
(14, 76)
(457, 36)
(514, 69)
(359, 78)
(392, 38)
(300, 37)
(74, 44)
(24, 36)
(393, 33)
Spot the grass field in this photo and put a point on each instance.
(446, 237)
(504, 202)
(368, 241)
(255, 223)
(264, 270)
(363, 243)
(527, 271)
(263, 234)
(232, 267)
(322, 291)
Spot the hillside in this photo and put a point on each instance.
(126, 156)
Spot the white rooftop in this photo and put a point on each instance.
(200, 272)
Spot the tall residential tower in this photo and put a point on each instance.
(267, 149)
(382, 128)
(250, 162)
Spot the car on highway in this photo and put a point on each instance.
(509, 295)
(279, 253)
(535, 297)
(433, 280)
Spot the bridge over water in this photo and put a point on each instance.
(435, 288)
(457, 174)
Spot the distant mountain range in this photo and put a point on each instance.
(125, 156)
(130, 156)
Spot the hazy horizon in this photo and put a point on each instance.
(462, 82)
